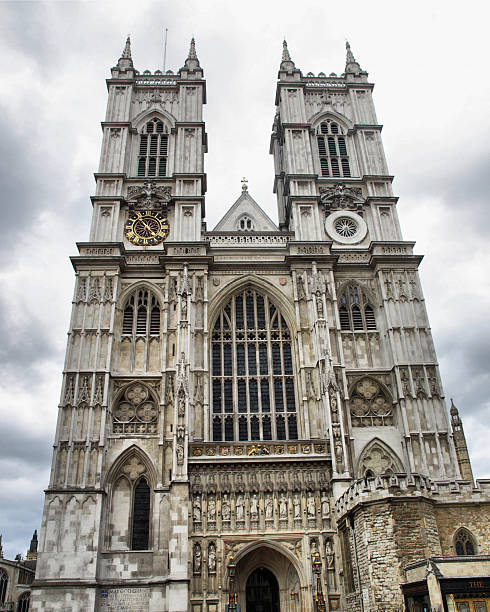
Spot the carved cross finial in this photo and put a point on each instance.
(127, 49)
(244, 184)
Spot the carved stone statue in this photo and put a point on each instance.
(325, 503)
(197, 558)
(283, 507)
(297, 506)
(196, 509)
(311, 507)
(301, 288)
(225, 508)
(269, 508)
(184, 308)
(240, 507)
(254, 507)
(212, 558)
(211, 509)
(329, 554)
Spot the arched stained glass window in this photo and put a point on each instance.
(464, 543)
(253, 393)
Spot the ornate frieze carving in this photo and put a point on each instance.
(342, 197)
(148, 196)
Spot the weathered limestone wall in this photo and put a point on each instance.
(474, 517)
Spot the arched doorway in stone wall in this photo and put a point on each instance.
(262, 591)
(268, 579)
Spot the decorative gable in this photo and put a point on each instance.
(246, 215)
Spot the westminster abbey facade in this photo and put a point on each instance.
(252, 416)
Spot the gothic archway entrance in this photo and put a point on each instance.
(262, 591)
(269, 578)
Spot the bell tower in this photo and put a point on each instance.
(119, 470)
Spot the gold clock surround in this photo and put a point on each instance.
(146, 227)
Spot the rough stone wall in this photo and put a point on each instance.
(378, 558)
(415, 531)
(473, 517)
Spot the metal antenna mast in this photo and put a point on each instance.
(165, 51)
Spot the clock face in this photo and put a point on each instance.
(146, 228)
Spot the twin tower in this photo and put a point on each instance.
(251, 417)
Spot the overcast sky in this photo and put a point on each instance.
(429, 63)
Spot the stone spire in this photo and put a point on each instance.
(286, 61)
(125, 62)
(126, 54)
(351, 65)
(460, 444)
(192, 62)
(32, 552)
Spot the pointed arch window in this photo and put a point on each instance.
(356, 312)
(464, 543)
(332, 150)
(141, 314)
(4, 580)
(140, 528)
(129, 517)
(253, 391)
(23, 602)
(153, 149)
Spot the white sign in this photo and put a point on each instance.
(124, 600)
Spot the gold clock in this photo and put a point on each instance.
(146, 227)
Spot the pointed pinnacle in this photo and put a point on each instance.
(285, 52)
(127, 49)
(192, 50)
(350, 56)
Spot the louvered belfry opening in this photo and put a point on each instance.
(153, 151)
(355, 310)
(253, 393)
(332, 151)
(141, 315)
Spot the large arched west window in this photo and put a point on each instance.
(253, 395)
(153, 150)
(332, 150)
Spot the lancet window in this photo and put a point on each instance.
(332, 150)
(356, 312)
(23, 602)
(129, 525)
(464, 543)
(253, 391)
(4, 580)
(153, 150)
(141, 315)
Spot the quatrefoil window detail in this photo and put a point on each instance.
(370, 405)
(136, 412)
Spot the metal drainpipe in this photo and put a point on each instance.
(361, 599)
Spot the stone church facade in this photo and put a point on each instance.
(252, 417)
